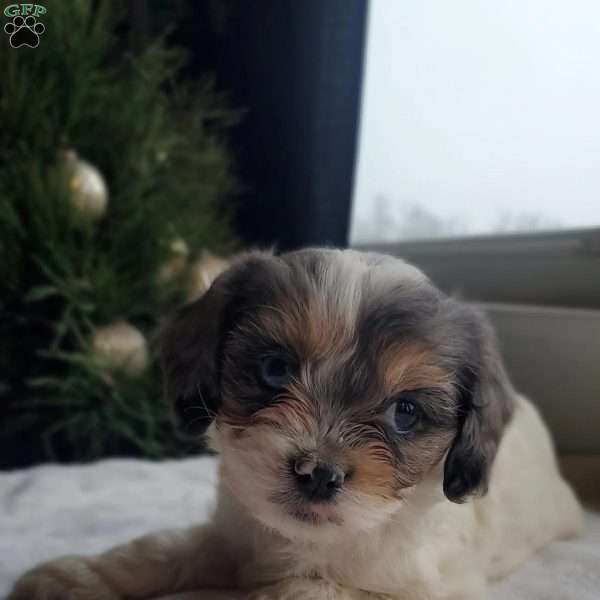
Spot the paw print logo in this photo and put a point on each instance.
(24, 31)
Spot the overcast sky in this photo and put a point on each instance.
(480, 115)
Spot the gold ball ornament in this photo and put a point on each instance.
(87, 187)
(175, 265)
(203, 272)
(120, 346)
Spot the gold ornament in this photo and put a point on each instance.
(120, 346)
(176, 264)
(203, 272)
(87, 187)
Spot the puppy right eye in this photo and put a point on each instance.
(275, 371)
(406, 416)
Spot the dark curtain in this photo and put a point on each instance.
(295, 68)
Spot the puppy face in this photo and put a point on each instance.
(337, 382)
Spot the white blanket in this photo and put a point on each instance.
(51, 510)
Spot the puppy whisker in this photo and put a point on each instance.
(210, 412)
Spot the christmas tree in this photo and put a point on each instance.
(114, 176)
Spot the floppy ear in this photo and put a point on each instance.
(486, 400)
(189, 356)
(191, 344)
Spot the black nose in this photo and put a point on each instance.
(318, 481)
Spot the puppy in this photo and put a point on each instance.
(371, 444)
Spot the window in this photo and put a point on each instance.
(478, 118)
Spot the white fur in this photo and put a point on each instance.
(428, 549)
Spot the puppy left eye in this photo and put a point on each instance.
(406, 415)
(275, 371)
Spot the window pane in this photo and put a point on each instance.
(479, 117)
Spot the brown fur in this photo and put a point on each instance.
(373, 471)
(410, 366)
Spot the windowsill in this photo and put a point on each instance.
(554, 268)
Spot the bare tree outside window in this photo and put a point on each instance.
(478, 119)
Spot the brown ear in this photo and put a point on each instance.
(191, 345)
(189, 349)
(486, 401)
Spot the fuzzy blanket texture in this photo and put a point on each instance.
(51, 510)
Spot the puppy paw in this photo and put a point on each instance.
(69, 578)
